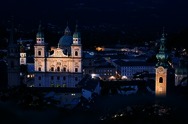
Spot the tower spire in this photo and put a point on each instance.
(39, 28)
(40, 35)
(76, 28)
(162, 56)
(67, 30)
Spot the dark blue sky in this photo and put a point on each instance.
(138, 14)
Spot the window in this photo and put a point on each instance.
(39, 69)
(39, 78)
(76, 53)
(58, 68)
(39, 53)
(160, 80)
(76, 69)
(58, 77)
(52, 77)
(64, 78)
(64, 69)
(52, 68)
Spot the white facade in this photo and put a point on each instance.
(129, 68)
(22, 58)
(59, 68)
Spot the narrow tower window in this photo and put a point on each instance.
(39, 53)
(76, 53)
(160, 80)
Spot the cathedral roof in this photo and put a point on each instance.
(66, 39)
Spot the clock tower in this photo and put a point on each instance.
(161, 77)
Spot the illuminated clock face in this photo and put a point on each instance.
(160, 69)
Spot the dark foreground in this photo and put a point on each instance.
(117, 109)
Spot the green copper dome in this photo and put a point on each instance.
(162, 56)
(40, 34)
(76, 35)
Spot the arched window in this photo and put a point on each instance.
(76, 69)
(58, 68)
(160, 80)
(64, 69)
(52, 68)
(39, 69)
(39, 53)
(76, 53)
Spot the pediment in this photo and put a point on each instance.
(58, 53)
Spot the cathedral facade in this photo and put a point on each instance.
(62, 65)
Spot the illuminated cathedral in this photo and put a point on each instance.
(60, 66)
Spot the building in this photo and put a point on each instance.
(129, 68)
(22, 55)
(162, 70)
(181, 73)
(62, 65)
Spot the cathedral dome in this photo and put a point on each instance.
(65, 41)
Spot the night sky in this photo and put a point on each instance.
(136, 15)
